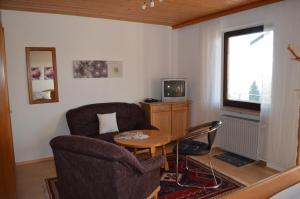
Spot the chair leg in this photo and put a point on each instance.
(213, 172)
(216, 183)
(196, 170)
(154, 194)
(186, 164)
(164, 154)
(177, 162)
(177, 170)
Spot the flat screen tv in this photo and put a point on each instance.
(174, 89)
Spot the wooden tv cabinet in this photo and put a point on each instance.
(171, 118)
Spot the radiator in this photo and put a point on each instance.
(240, 136)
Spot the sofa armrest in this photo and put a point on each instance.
(152, 164)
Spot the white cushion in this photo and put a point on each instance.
(107, 123)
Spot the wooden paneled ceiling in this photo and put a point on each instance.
(175, 13)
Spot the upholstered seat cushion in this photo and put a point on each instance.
(192, 147)
(108, 137)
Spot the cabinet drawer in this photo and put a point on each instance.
(161, 108)
(180, 106)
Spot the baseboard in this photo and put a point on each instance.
(262, 163)
(34, 161)
(274, 166)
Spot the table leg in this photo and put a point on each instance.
(134, 151)
(152, 151)
(165, 163)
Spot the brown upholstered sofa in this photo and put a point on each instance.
(83, 120)
(92, 169)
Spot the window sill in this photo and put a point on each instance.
(241, 111)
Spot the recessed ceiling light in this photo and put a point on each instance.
(149, 3)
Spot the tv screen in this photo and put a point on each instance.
(174, 88)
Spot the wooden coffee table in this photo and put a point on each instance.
(155, 139)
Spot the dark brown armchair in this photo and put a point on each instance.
(89, 168)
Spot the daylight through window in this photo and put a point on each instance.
(247, 53)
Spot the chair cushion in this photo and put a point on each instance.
(192, 147)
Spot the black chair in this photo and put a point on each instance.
(187, 146)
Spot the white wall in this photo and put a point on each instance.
(144, 50)
(148, 52)
(281, 144)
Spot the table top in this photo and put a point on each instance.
(155, 139)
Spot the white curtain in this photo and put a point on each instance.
(209, 84)
(280, 111)
(266, 99)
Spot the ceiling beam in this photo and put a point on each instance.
(224, 13)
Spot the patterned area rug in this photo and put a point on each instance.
(169, 188)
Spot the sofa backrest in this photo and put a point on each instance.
(95, 148)
(84, 121)
(92, 168)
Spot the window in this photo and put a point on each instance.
(246, 53)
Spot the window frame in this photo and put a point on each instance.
(233, 103)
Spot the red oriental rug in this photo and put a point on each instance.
(170, 190)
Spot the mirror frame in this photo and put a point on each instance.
(29, 77)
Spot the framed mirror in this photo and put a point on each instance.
(41, 75)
